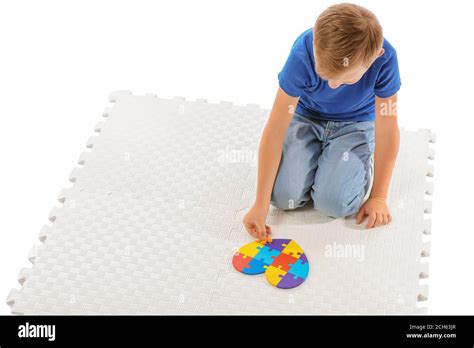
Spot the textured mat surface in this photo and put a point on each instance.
(155, 212)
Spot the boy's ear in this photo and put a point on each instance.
(382, 51)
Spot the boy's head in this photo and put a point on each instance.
(347, 40)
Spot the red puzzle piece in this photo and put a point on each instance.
(283, 260)
(240, 261)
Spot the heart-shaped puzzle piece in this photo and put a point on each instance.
(282, 260)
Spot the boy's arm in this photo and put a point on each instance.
(269, 156)
(387, 140)
(271, 145)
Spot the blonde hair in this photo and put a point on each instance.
(345, 35)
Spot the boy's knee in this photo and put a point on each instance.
(335, 205)
(335, 209)
(283, 202)
(286, 199)
(281, 205)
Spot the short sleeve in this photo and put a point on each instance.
(297, 74)
(388, 80)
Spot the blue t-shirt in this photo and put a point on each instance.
(355, 102)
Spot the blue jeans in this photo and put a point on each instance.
(327, 161)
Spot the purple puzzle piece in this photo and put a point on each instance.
(303, 258)
(277, 244)
(288, 281)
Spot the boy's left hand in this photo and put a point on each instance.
(376, 210)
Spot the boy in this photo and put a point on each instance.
(333, 126)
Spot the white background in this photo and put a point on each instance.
(60, 59)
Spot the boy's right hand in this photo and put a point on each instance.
(254, 222)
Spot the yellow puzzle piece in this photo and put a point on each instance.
(251, 249)
(273, 275)
(293, 249)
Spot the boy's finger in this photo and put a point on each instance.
(385, 219)
(360, 216)
(389, 217)
(257, 234)
(382, 219)
(248, 229)
(371, 220)
(252, 232)
(269, 229)
(261, 232)
(378, 220)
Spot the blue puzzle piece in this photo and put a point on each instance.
(254, 267)
(300, 268)
(266, 255)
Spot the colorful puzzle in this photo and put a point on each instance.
(282, 260)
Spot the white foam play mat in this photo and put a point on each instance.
(154, 217)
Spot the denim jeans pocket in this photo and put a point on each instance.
(297, 129)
